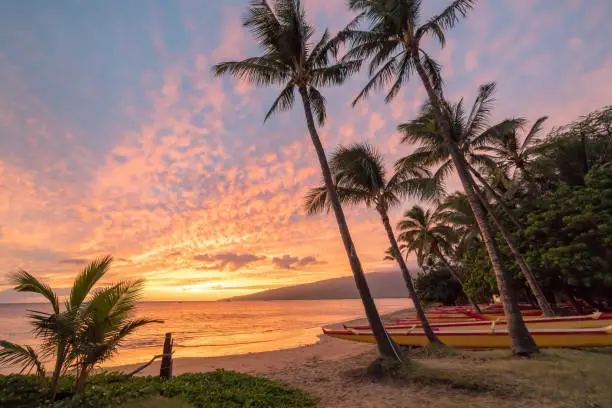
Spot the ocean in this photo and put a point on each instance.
(208, 329)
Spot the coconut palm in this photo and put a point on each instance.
(470, 139)
(67, 333)
(432, 150)
(457, 212)
(393, 42)
(511, 154)
(360, 178)
(293, 60)
(425, 233)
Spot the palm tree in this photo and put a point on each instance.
(292, 60)
(360, 178)
(470, 134)
(65, 333)
(425, 233)
(432, 150)
(511, 154)
(393, 43)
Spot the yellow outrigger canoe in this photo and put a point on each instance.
(493, 338)
(593, 320)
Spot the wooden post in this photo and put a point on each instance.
(165, 370)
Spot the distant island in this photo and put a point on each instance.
(382, 285)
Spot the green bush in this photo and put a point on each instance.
(218, 389)
(438, 286)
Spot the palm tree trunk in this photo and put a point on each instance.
(386, 346)
(57, 370)
(457, 277)
(527, 273)
(572, 300)
(498, 198)
(81, 379)
(522, 342)
(433, 339)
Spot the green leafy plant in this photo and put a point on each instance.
(85, 332)
(218, 389)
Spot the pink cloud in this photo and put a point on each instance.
(471, 60)
(376, 123)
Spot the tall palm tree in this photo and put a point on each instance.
(470, 137)
(392, 41)
(290, 58)
(425, 233)
(64, 331)
(360, 178)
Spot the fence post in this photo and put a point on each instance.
(165, 370)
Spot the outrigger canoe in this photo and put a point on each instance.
(594, 320)
(474, 339)
(467, 316)
(527, 314)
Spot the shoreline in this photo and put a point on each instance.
(325, 349)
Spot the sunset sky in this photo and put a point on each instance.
(115, 137)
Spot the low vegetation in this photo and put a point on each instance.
(474, 379)
(79, 335)
(215, 389)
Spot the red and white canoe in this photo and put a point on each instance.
(492, 338)
(593, 320)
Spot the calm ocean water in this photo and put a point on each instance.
(206, 329)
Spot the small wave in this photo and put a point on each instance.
(222, 344)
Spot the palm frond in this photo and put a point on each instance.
(283, 102)
(317, 101)
(25, 357)
(449, 16)
(433, 28)
(335, 74)
(316, 201)
(86, 280)
(262, 22)
(379, 80)
(354, 196)
(531, 137)
(432, 69)
(497, 132)
(26, 282)
(404, 70)
(260, 71)
(422, 188)
(481, 110)
(359, 165)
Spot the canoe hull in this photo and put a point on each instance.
(594, 320)
(485, 340)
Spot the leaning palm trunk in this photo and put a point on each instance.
(522, 342)
(386, 345)
(433, 339)
(457, 277)
(498, 197)
(526, 271)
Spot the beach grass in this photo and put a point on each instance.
(157, 402)
(560, 378)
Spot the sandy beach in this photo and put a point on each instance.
(334, 371)
(326, 349)
(326, 369)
